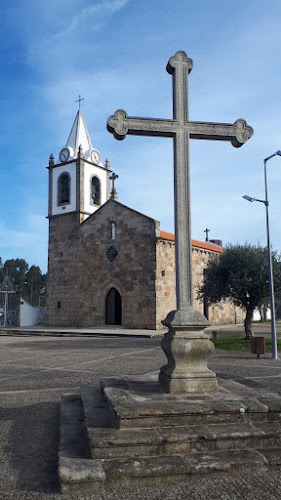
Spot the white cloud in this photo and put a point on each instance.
(90, 18)
(93, 17)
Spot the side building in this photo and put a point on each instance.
(109, 264)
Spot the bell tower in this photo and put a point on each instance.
(78, 181)
(78, 186)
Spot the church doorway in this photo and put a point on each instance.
(113, 308)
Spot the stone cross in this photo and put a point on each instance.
(113, 193)
(207, 233)
(181, 130)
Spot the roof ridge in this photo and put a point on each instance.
(195, 243)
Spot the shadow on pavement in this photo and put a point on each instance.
(31, 445)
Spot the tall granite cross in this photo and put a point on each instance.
(181, 130)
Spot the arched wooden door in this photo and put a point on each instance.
(113, 308)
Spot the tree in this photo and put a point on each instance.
(241, 275)
(34, 284)
(16, 269)
(30, 283)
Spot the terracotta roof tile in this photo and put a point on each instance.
(206, 245)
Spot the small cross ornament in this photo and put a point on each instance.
(79, 100)
(207, 233)
(113, 193)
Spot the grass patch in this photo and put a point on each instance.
(229, 334)
(241, 344)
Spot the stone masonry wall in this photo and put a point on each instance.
(60, 258)
(81, 274)
(223, 313)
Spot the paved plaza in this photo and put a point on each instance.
(37, 370)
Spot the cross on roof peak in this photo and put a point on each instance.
(79, 100)
(113, 193)
(207, 233)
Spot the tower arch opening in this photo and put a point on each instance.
(64, 188)
(95, 191)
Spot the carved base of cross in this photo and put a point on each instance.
(188, 349)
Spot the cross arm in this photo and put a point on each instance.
(237, 133)
(120, 124)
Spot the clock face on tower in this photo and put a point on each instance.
(64, 155)
(95, 156)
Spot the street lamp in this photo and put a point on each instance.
(270, 273)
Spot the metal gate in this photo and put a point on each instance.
(8, 306)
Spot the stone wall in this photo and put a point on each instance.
(61, 257)
(165, 280)
(223, 313)
(81, 275)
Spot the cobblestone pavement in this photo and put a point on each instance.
(36, 371)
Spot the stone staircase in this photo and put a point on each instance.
(131, 431)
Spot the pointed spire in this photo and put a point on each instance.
(79, 135)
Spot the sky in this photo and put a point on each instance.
(114, 54)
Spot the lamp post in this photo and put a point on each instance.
(270, 272)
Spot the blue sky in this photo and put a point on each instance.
(114, 53)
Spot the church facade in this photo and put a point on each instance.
(107, 263)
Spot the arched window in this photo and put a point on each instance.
(113, 230)
(64, 188)
(95, 191)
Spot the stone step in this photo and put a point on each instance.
(114, 443)
(216, 437)
(90, 457)
(90, 475)
(140, 404)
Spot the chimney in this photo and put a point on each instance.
(216, 242)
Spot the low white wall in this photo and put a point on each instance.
(257, 316)
(29, 315)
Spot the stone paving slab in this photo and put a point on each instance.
(29, 415)
(81, 331)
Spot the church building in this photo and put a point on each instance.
(107, 263)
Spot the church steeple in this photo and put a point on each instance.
(78, 183)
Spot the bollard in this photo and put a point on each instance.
(258, 345)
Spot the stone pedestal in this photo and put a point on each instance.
(132, 432)
(187, 348)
